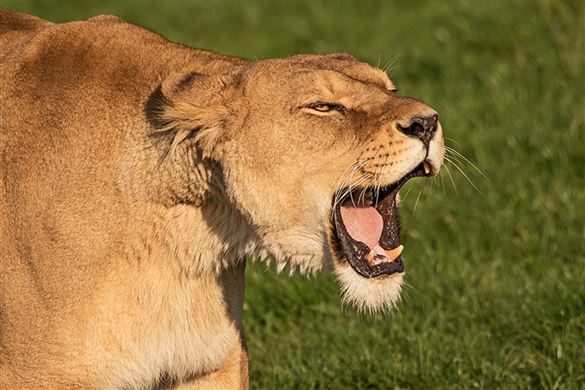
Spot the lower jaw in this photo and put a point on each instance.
(386, 268)
(379, 270)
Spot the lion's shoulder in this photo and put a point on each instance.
(106, 19)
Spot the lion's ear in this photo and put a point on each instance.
(191, 104)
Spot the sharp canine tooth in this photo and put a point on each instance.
(427, 167)
(370, 256)
(394, 253)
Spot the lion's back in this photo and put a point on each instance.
(15, 21)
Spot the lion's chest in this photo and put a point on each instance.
(157, 327)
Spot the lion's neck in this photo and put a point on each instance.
(202, 240)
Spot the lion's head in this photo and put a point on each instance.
(312, 151)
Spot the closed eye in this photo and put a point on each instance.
(323, 107)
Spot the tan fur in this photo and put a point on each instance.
(137, 174)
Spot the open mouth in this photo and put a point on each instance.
(366, 227)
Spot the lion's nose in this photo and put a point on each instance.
(421, 127)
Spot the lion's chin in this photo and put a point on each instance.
(372, 295)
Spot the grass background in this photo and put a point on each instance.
(496, 274)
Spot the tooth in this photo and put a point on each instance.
(394, 253)
(427, 167)
(371, 256)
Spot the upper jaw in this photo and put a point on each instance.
(430, 166)
(436, 151)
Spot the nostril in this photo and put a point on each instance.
(428, 123)
(422, 127)
(415, 129)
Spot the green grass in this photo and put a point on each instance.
(496, 275)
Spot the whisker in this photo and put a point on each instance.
(343, 178)
(438, 182)
(451, 140)
(362, 196)
(417, 199)
(390, 63)
(358, 182)
(457, 153)
(378, 183)
(451, 178)
(341, 184)
(349, 191)
(442, 177)
(405, 195)
(465, 175)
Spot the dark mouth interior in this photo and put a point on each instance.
(366, 228)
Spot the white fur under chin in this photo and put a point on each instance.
(373, 295)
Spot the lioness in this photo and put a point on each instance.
(136, 175)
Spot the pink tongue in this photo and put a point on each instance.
(362, 223)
